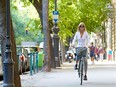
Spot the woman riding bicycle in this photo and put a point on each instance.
(80, 41)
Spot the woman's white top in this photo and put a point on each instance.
(79, 41)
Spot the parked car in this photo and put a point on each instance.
(23, 59)
(22, 66)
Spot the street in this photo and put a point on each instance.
(99, 75)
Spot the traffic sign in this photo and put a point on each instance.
(55, 16)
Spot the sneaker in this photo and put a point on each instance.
(75, 67)
(85, 77)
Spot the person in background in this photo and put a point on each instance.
(96, 53)
(101, 53)
(110, 54)
(92, 53)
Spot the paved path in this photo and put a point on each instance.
(100, 75)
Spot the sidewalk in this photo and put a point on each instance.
(66, 76)
(97, 63)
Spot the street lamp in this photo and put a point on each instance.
(8, 68)
(55, 35)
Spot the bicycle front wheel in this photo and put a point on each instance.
(81, 72)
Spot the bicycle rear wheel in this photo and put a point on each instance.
(81, 72)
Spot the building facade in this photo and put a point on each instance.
(110, 29)
(113, 30)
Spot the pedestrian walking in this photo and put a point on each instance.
(96, 53)
(92, 53)
(110, 54)
(101, 53)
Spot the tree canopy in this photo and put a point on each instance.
(91, 12)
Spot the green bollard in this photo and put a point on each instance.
(40, 59)
(34, 62)
(31, 64)
(37, 62)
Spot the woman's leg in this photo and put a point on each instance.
(77, 57)
(85, 66)
(76, 65)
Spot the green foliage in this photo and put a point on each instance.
(40, 37)
(94, 14)
(24, 18)
(91, 12)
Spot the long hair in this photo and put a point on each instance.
(80, 24)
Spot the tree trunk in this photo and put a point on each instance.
(38, 6)
(45, 9)
(14, 56)
(3, 42)
(53, 65)
(3, 28)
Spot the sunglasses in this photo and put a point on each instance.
(82, 26)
